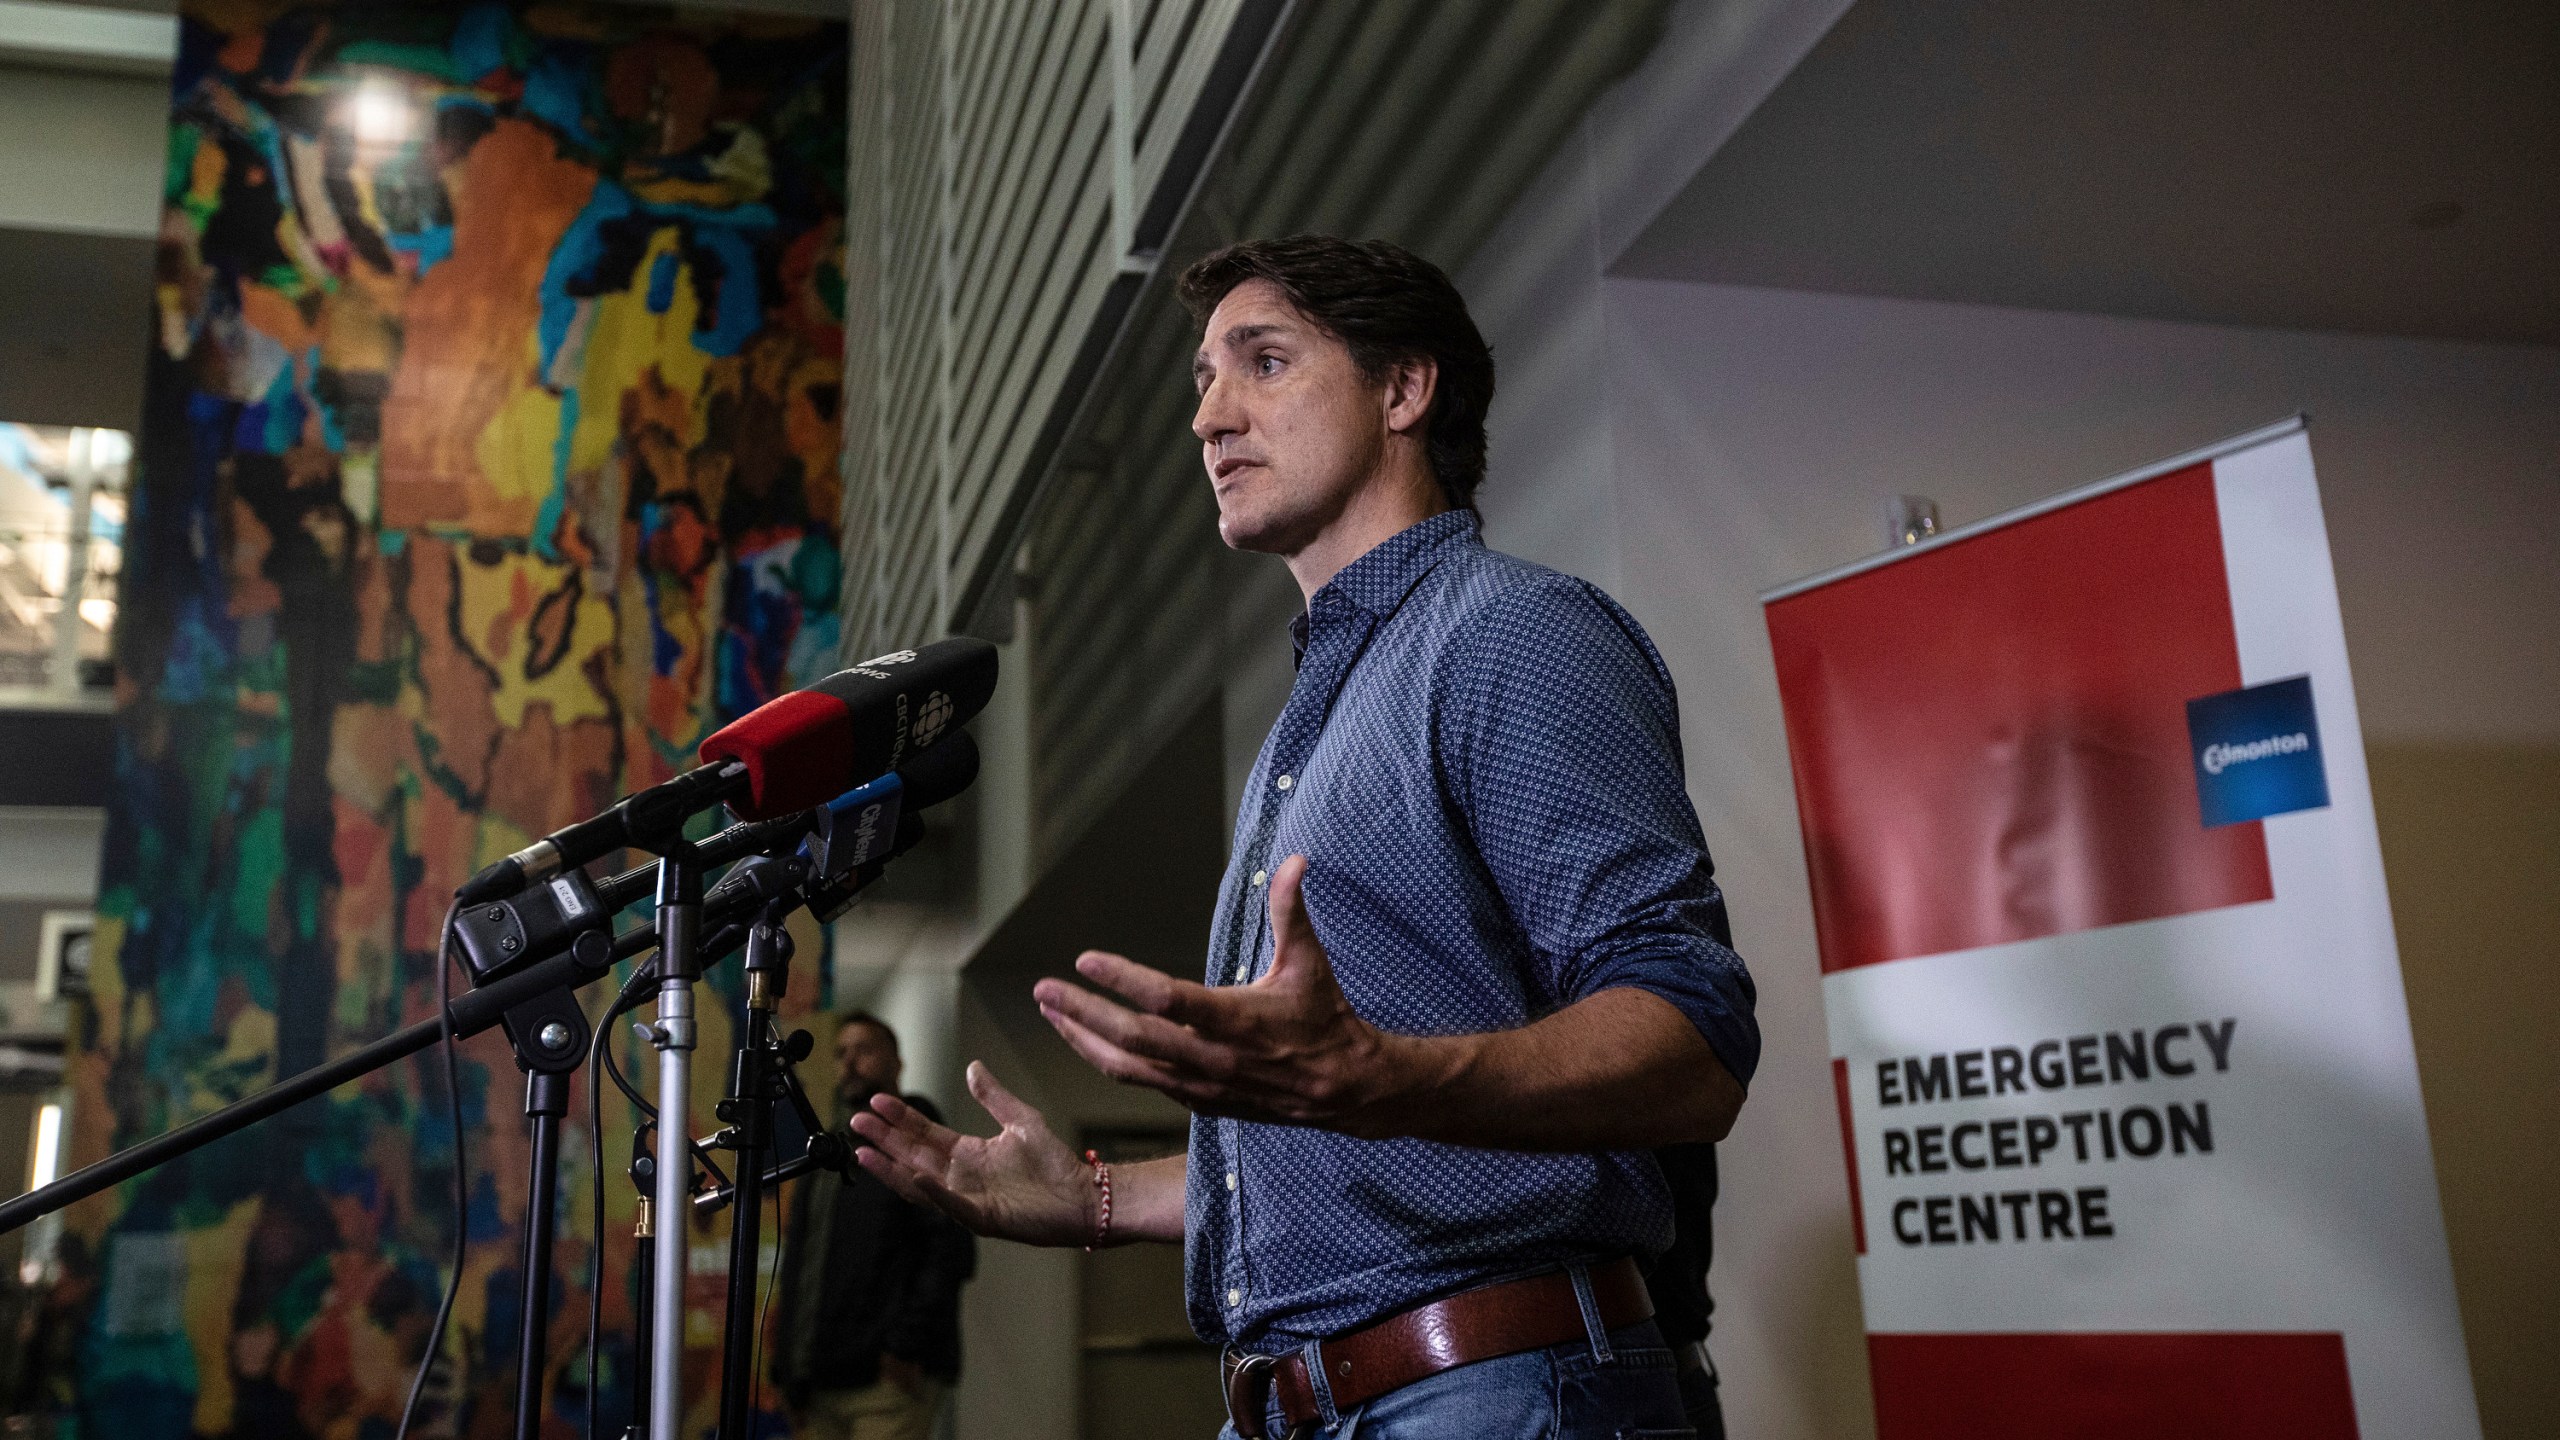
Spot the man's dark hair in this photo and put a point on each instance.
(1386, 304)
(846, 1020)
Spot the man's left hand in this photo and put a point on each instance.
(1287, 1049)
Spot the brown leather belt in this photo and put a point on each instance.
(1484, 1324)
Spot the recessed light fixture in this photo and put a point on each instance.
(2437, 215)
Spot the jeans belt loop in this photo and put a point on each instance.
(1597, 1330)
(1311, 1355)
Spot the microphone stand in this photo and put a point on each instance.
(679, 920)
(761, 1078)
(549, 1050)
(645, 1263)
(590, 959)
(548, 1031)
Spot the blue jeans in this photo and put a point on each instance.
(1574, 1391)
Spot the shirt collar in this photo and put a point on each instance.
(1379, 580)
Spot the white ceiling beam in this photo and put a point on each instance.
(87, 37)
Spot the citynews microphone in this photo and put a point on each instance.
(790, 753)
(836, 735)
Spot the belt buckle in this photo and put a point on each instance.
(1247, 1391)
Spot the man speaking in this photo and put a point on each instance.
(1468, 967)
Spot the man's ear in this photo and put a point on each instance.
(1411, 384)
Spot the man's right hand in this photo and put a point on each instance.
(1022, 1183)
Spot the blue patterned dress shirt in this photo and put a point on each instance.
(1480, 760)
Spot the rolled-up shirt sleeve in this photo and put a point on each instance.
(1558, 738)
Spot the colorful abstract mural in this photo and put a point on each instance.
(490, 460)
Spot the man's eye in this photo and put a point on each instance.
(1267, 364)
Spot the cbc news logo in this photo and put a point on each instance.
(930, 720)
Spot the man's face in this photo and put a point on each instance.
(1288, 429)
(867, 1064)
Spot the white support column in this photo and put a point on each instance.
(63, 676)
(1120, 40)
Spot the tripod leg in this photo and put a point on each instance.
(546, 1099)
(752, 1119)
(644, 1269)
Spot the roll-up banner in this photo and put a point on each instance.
(2135, 1145)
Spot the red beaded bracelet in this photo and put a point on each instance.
(1102, 1182)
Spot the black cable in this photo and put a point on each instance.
(632, 998)
(461, 1176)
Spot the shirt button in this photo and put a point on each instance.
(1231, 1179)
(1259, 876)
(1235, 1297)
(1283, 783)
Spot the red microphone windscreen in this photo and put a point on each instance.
(809, 746)
(794, 746)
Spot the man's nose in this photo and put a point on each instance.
(1217, 416)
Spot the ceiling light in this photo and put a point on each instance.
(380, 114)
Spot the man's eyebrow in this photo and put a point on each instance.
(1240, 335)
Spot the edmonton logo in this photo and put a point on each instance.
(2218, 758)
(2257, 752)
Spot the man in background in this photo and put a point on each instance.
(870, 1327)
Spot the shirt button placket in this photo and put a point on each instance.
(1231, 1135)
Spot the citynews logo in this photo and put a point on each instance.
(866, 831)
(2218, 758)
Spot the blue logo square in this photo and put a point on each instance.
(2257, 752)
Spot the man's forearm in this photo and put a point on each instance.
(1620, 1070)
(1146, 1200)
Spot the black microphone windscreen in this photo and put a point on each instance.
(934, 775)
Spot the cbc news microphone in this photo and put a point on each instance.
(791, 753)
(856, 724)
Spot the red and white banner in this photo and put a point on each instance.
(2134, 1135)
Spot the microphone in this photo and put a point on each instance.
(860, 826)
(497, 936)
(926, 780)
(788, 754)
(830, 897)
(834, 736)
(644, 818)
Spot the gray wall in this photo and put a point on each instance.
(1754, 436)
